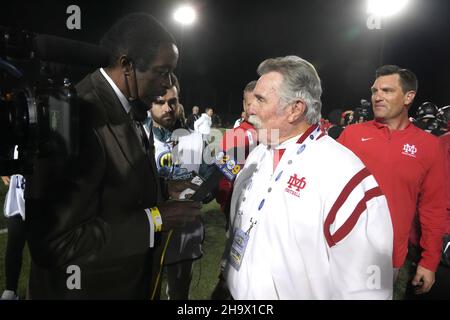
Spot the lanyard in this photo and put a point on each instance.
(310, 135)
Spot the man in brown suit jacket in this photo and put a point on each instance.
(91, 233)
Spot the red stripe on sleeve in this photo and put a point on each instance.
(347, 227)
(357, 178)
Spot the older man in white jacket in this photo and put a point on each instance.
(309, 220)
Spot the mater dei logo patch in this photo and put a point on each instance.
(294, 185)
(409, 150)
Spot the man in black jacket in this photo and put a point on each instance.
(93, 220)
(192, 118)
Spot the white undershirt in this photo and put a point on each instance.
(123, 100)
(127, 107)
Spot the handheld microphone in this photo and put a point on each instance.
(225, 165)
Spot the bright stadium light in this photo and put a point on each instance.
(385, 8)
(185, 15)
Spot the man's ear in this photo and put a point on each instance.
(126, 65)
(297, 110)
(409, 97)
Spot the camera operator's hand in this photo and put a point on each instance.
(5, 180)
(176, 214)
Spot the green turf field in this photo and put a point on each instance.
(206, 269)
(3, 190)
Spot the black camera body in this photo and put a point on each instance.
(363, 112)
(38, 103)
(432, 119)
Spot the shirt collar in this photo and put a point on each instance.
(299, 138)
(289, 141)
(123, 100)
(380, 125)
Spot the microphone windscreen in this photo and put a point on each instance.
(226, 165)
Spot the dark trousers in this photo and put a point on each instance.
(221, 291)
(439, 291)
(441, 287)
(14, 251)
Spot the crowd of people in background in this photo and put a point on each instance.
(427, 116)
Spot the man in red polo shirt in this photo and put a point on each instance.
(409, 166)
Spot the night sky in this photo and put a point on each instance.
(221, 51)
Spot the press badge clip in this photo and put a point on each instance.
(239, 246)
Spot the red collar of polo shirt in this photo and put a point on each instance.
(380, 125)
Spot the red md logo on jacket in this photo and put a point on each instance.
(295, 185)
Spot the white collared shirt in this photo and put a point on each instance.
(127, 107)
(123, 100)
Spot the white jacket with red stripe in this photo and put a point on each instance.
(319, 225)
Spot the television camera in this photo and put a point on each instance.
(38, 102)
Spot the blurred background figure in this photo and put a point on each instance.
(444, 112)
(339, 120)
(204, 123)
(347, 118)
(335, 128)
(325, 125)
(192, 118)
(14, 210)
(181, 117)
(429, 118)
(240, 120)
(216, 121)
(364, 112)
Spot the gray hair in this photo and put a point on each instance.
(300, 82)
(250, 86)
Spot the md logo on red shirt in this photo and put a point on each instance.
(295, 185)
(409, 150)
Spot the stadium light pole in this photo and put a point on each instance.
(185, 15)
(381, 9)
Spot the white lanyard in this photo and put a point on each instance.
(295, 151)
(241, 238)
